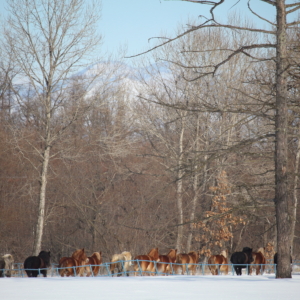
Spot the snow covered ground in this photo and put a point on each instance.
(209, 287)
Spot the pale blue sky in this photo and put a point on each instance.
(133, 22)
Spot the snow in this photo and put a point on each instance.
(152, 287)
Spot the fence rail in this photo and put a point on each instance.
(176, 269)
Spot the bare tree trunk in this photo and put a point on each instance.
(42, 202)
(179, 185)
(281, 153)
(295, 199)
(195, 188)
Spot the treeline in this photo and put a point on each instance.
(131, 159)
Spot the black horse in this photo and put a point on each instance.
(240, 260)
(35, 265)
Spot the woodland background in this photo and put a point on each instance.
(149, 157)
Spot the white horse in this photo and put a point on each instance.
(7, 263)
(121, 262)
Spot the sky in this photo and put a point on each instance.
(131, 23)
(177, 287)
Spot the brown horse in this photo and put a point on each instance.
(217, 263)
(166, 261)
(188, 260)
(146, 263)
(93, 264)
(121, 262)
(71, 266)
(259, 261)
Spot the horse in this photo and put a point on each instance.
(146, 263)
(241, 260)
(121, 262)
(6, 265)
(217, 263)
(34, 265)
(166, 261)
(93, 264)
(72, 266)
(259, 261)
(188, 261)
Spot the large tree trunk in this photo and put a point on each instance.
(281, 153)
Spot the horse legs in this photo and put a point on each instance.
(44, 272)
(238, 270)
(35, 274)
(183, 268)
(29, 273)
(193, 269)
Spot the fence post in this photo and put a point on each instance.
(124, 272)
(155, 268)
(138, 262)
(187, 269)
(171, 266)
(108, 271)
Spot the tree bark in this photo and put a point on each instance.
(42, 202)
(281, 153)
(295, 198)
(179, 185)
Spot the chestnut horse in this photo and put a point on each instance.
(121, 262)
(146, 263)
(71, 266)
(166, 261)
(259, 261)
(93, 264)
(188, 261)
(217, 263)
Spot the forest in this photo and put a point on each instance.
(178, 151)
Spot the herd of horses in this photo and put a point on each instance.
(146, 264)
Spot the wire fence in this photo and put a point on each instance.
(174, 269)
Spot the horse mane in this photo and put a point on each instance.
(172, 253)
(154, 253)
(79, 255)
(45, 256)
(224, 253)
(97, 255)
(8, 257)
(261, 250)
(127, 255)
(116, 257)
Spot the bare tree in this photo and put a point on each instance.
(49, 41)
(279, 35)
